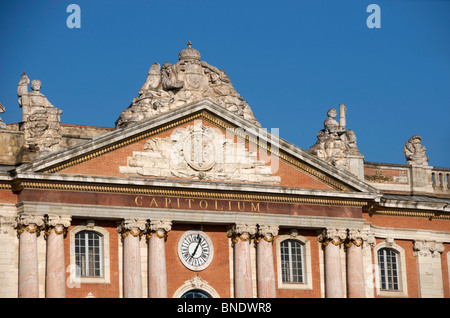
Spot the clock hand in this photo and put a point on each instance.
(199, 240)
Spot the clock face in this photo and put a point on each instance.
(195, 250)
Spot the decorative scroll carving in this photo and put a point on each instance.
(379, 177)
(199, 152)
(172, 86)
(415, 152)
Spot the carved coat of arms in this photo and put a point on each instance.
(199, 152)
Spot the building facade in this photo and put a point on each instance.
(187, 196)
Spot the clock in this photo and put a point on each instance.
(195, 250)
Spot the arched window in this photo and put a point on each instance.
(88, 254)
(388, 262)
(196, 293)
(292, 261)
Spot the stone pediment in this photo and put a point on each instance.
(200, 141)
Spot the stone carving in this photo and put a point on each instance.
(379, 177)
(415, 152)
(334, 143)
(428, 248)
(40, 119)
(190, 79)
(2, 124)
(199, 152)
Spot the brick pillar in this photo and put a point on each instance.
(332, 239)
(157, 274)
(55, 284)
(241, 236)
(28, 228)
(131, 231)
(264, 261)
(355, 265)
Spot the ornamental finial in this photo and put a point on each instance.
(189, 44)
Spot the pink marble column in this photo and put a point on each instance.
(355, 266)
(28, 227)
(264, 261)
(55, 284)
(131, 231)
(241, 235)
(157, 275)
(332, 239)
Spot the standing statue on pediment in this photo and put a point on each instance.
(335, 144)
(415, 152)
(40, 119)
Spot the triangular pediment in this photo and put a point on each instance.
(200, 141)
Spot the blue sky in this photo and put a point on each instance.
(291, 60)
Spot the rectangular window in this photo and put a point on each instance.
(88, 245)
(389, 272)
(292, 261)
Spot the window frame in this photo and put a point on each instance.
(288, 276)
(306, 262)
(88, 258)
(104, 256)
(401, 272)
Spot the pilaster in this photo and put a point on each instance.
(429, 268)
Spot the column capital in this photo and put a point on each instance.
(135, 227)
(336, 236)
(266, 232)
(427, 248)
(57, 223)
(159, 227)
(358, 238)
(242, 231)
(23, 221)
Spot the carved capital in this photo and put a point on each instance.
(58, 224)
(244, 232)
(357, 238)
(332, 235)
(29, 223)
(266, 232)
(159, 227)
(135, 227)
(427, 248)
